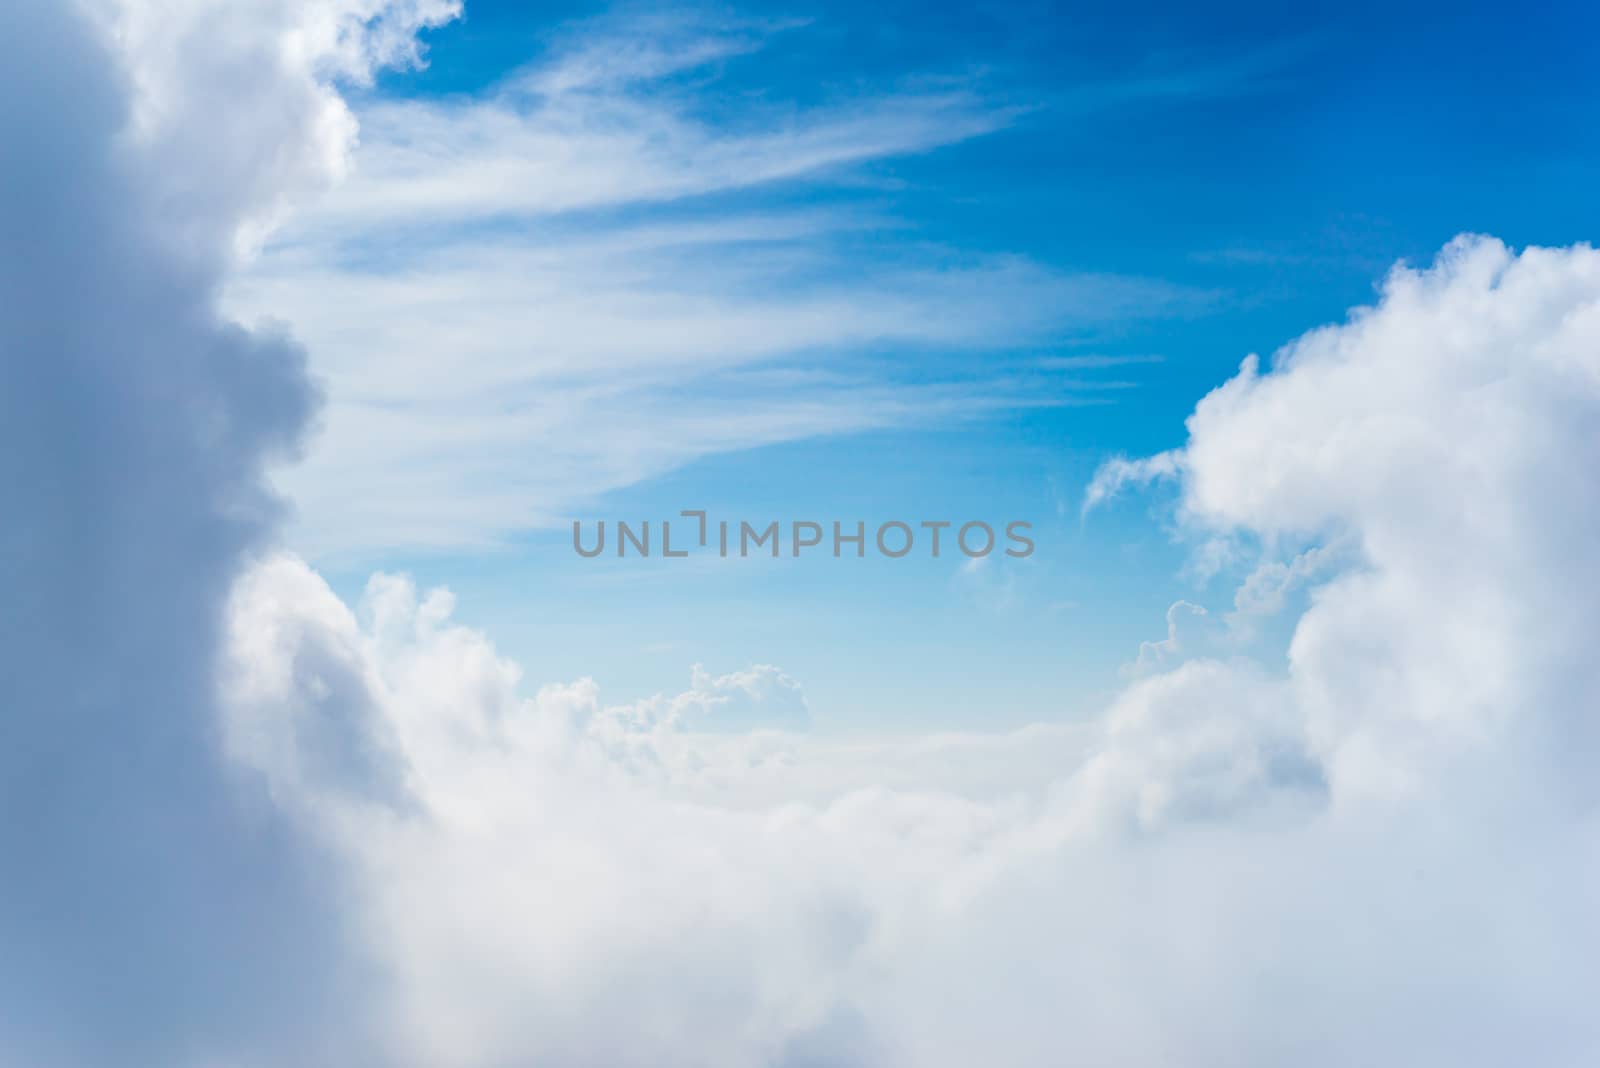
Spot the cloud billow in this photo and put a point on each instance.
(154, 909)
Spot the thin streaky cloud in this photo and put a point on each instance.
(611, 51)
(513, 310)
(1093, 362)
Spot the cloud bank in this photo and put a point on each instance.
(1379, 850)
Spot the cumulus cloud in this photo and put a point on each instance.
(1442, 436)
(154, 911)
(759, 697)
(235, 107)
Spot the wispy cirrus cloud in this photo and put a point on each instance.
(568, 283)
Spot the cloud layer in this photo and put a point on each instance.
(1379, 851)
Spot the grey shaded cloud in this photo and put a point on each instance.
(154, 908)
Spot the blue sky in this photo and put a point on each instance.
(1171, 188)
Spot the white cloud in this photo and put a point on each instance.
(611, 51)
(153, 909)
(1118, 473)
(1189, 635)
(518, 382)
(1265, 591)
(235, 107)
(1442, 435)
(530, 149)
(759, 697)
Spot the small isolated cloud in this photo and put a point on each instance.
(1120, 472)
(1189, 634)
